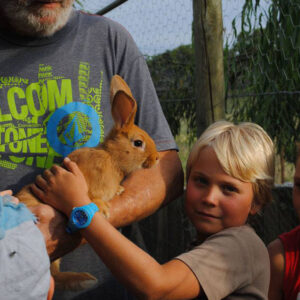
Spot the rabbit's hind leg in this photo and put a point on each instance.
(71, 281)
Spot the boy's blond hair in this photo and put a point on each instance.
(245, 151)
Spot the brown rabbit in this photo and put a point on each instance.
(126, 148)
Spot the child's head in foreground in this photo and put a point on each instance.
(25, 266)
(230, 174)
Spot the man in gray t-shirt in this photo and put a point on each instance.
(56, 64)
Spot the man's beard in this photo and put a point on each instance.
(26, 20)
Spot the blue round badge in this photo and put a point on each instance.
(72, 126)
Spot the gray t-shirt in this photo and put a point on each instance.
(65, 79)
(231, 264)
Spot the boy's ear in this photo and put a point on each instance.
(255, 208)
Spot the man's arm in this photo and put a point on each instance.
(145, 191)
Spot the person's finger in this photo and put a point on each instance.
(37, 191)
(47, 174)
(55, 169)
(6, 192)
(71, 165)
(41, 182)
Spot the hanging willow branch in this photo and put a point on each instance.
(262, 62)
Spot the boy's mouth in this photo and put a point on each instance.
(207, 215)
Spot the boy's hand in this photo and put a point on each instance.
(62, 188)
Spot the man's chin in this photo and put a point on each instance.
(45, 22)
(51, 5)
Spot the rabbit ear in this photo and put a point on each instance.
(123, 105)
(118, 84)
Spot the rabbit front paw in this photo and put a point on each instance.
(103, 207)
(120, 190)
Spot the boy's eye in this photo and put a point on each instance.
(227, 188)
(200, 180)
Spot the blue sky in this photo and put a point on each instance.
(160, 25)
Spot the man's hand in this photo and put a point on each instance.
(52, 224)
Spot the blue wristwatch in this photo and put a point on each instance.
(81, 217)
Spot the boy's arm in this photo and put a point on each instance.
(138, 270)
(276, 253)
(145, 191)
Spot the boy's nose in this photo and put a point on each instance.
(211, 196)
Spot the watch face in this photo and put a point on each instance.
(80, 217)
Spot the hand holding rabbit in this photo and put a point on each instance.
(52, 189)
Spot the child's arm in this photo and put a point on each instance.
(138, 270)
(276, 253)
(135, 268)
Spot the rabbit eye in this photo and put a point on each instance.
(138, 143)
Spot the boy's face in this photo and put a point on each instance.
(214, 199)
(296, 189)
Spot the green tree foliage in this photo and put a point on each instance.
(173, 76)
(262, 71)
